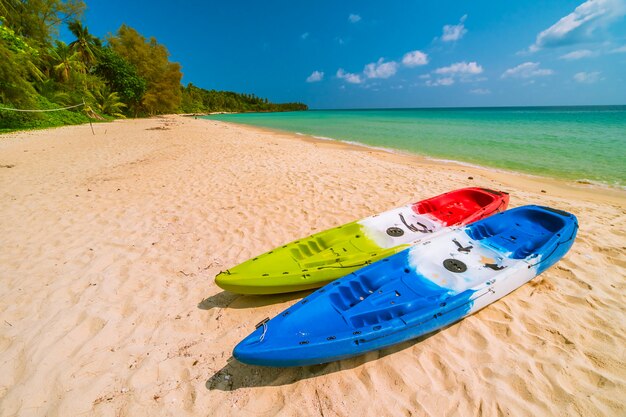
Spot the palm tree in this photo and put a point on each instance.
(65, 61)
(107, 102)
(7, 8)
(86, 45)
(50, 90)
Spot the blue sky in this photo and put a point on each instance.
(353, 54)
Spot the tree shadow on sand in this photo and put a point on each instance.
(235, 375)
(227, 299)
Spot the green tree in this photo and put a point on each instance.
(86, 46)
(199, 100)
(65, 61)
(38, 20)
(16, 68)
(132, 74)
(50, 89)
(121, 76)
(151, 61)
(107, 102)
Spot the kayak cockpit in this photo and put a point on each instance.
(462, 206)
(528, 231)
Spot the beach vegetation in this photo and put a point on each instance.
(199, 100)
(121, 76)
(65, 62)
(124, 75)
(15, 59)
(86, 46)
(107, 102)
(151, 60)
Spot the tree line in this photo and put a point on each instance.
(199, 100)
(123, 75)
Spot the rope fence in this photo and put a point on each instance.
(44, 110)
(47, 110)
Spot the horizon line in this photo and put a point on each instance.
(471, 107)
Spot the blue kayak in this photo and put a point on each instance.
(417, 291)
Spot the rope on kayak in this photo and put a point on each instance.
(264, 324)
(41, 111)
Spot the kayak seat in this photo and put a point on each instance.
(424, 207)
(457, 211)
(522, 232)
(526, 249)
(307, 248)
(350, 294)
(481, 231)
(454, 208)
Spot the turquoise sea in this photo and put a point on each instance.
(586, 143)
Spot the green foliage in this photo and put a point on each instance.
(132, 75)
(121, 76)
(107, 102)
(51, 91)
(38, 20)
(65, 61)
(12, 120)
(86, 46)
(15, 68)
(12, 41)
(151, 61)
(199, 100)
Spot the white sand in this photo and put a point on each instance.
(109, 245)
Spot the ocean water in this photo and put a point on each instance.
(586, 143)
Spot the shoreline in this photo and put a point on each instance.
(579, 181)
(531, 182)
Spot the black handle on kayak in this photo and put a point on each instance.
(262, 322)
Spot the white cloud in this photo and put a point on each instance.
(473, 79)
(453, 33)
(353, 18)
(414, 59)
(380, 69)
(424, 76)
(587, 77)
(374, 86)
(315, 77)
(620, 50)
(349, 77)
(480, 91)
(446, 81)
(305, 35)
(460, 68)
(581, 53)
(581, 24)
(461, 71)
(526, 70)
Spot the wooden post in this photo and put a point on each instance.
(90, 124)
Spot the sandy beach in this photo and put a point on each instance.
(109, 244)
